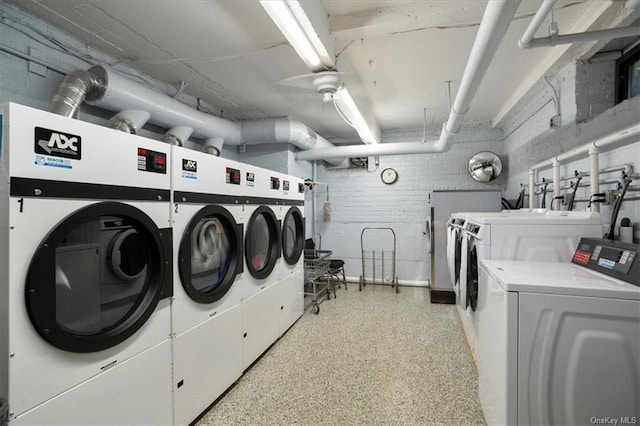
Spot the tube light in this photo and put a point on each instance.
(354, 116)
(285, 20)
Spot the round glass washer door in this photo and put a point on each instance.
(262, 242)
(97, 277)
(292, 236)
(210, 254)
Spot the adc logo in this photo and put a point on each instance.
(189, 165)
(57, 144)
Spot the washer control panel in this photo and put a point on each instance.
(612, 258)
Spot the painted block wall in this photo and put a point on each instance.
(359, 199)
(588, 112)
(32, 84)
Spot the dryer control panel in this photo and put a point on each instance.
(613, 258)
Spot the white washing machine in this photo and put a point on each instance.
(559, 341)
(85, 272)
(455, 235)
(293, 238)
(550, 236)
(263, 294)
(208, 221)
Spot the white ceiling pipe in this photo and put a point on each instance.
(582, 37)
(617, 139)
(536, 23)
(120, 91)
(495, 21)
(594, 170)
(556, 185)
(286, 130)
(632, 4)
(104, 88)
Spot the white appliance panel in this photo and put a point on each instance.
(260, 322)
(130, 393)
(578, 344)
(579, 358)
(292, 300)
(206, 362)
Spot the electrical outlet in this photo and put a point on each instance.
(555, 121)
(242, 147)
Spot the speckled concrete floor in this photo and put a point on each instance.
(370, 357)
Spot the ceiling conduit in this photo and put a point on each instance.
(527, 41)
(495, 22)
(107, 89)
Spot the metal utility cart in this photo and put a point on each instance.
(378, 266)
(316, 275)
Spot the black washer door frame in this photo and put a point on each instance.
(298, 244)
(472, 275)
(40, 288)
(235, 232)
(273, 250)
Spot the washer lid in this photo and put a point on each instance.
(557, 278)
(551, 217)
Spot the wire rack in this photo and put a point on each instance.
(317, 279)
(378, 266)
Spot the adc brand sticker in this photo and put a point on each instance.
(57, 144)
(189, 169)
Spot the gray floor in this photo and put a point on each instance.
(370, 357)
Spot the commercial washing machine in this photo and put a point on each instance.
(208, 221)
(85, 272)
(551, 236)
(292, 283)
(263, 295)
(560, 341)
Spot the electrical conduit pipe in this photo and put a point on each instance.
(495, 22)
(555, 201)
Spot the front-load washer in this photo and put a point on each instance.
(264, 295)
(208, 221)
(455, 242)
(85, 272)
(291, 286)
(551, 236)
(560, 341)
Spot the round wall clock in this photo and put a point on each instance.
(389, 176)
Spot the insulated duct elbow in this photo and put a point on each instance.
(77, 86)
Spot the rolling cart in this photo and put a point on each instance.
(378, 266)
(317, 279)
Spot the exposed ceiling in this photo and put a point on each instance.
(398, 55)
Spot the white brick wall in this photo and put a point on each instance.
(360, 199)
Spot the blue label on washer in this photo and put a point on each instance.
(42, 160)
(189, 175)
(606, 263)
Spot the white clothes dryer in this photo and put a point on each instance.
(85, 272)
(264, 295)
(208, 222)
(551, 236)
(292, 283)
(559, 341)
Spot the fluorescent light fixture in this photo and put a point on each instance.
(289, 26)
(354, 116)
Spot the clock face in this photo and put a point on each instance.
(389, 175)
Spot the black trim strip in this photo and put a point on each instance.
(42, 188)
(203, 198)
